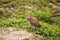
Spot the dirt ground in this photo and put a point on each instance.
(11, 33)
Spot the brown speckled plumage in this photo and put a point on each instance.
(33, 20)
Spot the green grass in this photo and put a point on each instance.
(17, 18)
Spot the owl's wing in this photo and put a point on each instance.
(34, 21)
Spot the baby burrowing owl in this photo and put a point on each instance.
(33, 20)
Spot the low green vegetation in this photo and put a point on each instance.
(13, 14)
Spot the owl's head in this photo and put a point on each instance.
(29, 16)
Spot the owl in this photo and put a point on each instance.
(33, 20)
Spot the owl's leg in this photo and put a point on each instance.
(34, 29)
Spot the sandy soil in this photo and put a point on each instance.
(11, 33)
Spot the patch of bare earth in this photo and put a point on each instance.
(11, 33)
